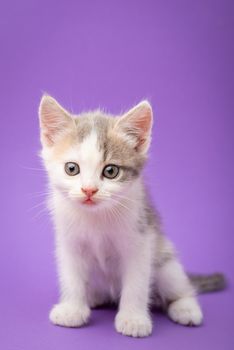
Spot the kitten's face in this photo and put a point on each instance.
(93, 159)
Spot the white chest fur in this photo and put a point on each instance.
(98, 241)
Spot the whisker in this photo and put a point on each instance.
(120, 214)
(29, 168)
(42, 211)
(39, 194)
(120, 196)
(124, 197)
(124, 206)
(76, 195)
(117, 214)
(36, 206)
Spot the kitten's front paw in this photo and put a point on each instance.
(185, 311)
(133, 324)
(69, 315)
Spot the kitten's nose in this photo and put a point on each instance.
(89, 191)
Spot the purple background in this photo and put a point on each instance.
(179, 54)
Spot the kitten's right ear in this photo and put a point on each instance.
(54, 119)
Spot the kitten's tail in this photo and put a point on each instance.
(208, 283)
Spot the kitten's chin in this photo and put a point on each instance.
(87, 204)
(90, 204)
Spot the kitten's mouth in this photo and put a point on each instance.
(88, 201)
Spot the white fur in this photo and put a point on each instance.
(185, 311)
(98, 252)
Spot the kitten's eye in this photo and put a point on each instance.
(72, 168)
(110, 171)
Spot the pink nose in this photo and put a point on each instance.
(89, 191)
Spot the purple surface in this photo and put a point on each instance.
(179, 54)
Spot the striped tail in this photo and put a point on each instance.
(208, 283)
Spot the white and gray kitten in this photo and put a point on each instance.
(109, 244)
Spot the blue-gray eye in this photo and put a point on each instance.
(110, 171)
(72, 169)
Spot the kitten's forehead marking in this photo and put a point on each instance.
(84, 128)
(90, 159)
(89, 150)
(97, 123)
(86, 122)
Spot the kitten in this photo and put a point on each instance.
(109, 244)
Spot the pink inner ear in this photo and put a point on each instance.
(144, 123)
(49, 133)
(52, 124)
(136, 124)
(144, 126)
(54, 119)
(48, 139)
(141, 120)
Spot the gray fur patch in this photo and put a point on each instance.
(129, 173)
(84, 128)
(149, 219)
(117, 151)
(208, 283)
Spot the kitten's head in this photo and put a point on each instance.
(93, 158)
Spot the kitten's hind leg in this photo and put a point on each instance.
(175, 289)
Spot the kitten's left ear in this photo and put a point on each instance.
(136, 126)
(54, 120)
